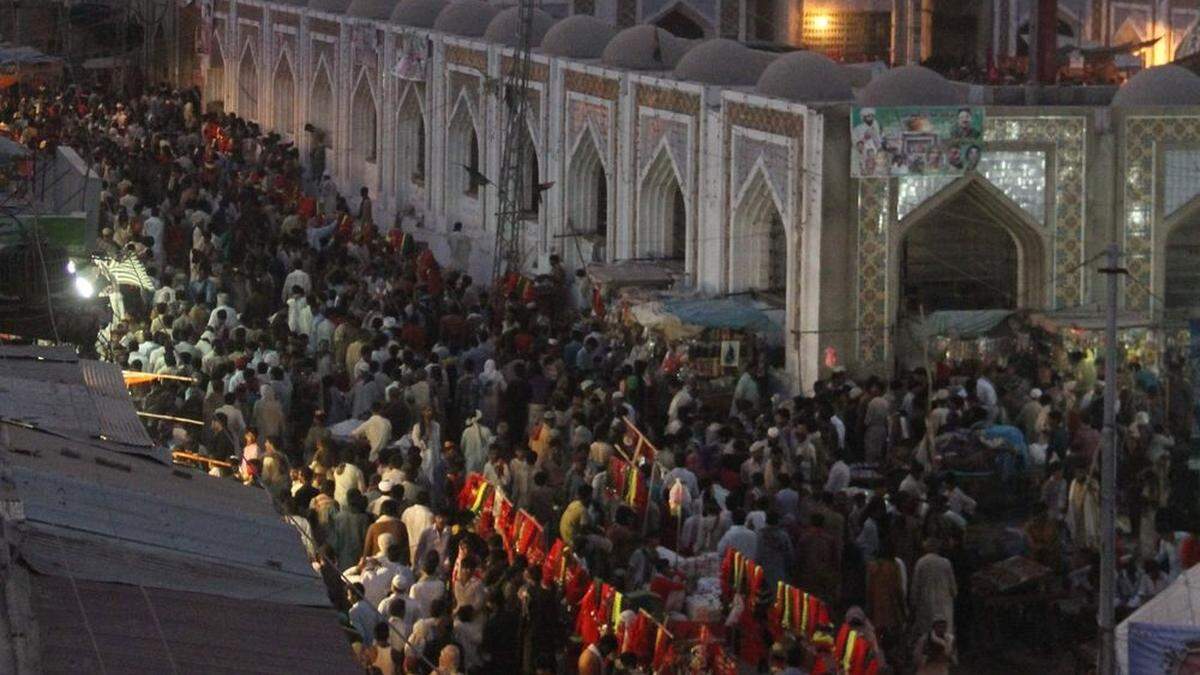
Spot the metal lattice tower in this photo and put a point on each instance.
(510, 230)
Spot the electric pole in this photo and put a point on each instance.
(1108, 469)
(510, 230)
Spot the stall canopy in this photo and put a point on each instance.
(1163, 631)
(679, 319)
(964, 324)
(734, 313)
(20, 63)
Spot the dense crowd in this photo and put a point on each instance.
(339, 365)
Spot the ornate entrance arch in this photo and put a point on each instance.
(973, 202)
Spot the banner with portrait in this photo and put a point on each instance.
(915, 140)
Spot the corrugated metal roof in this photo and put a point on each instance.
(53, 389)
(89, 627)
(169, 527)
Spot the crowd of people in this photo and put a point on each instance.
(338, 364)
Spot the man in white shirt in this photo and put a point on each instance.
(154, 228)
(426, 591)
(379, 570)
(985, 393)
(417, 518)
(297, 277)
(377, 431)
(839, 477)
(738, 537)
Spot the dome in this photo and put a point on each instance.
(1161, 85)
(634, 48)
(580, 37)
(911, 85)
(469, 18)
(419, 13)
(722, 62)
(371, 9)
(805, 77)
(329, 6)
(505, 27)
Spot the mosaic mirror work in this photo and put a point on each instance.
(1021, 174)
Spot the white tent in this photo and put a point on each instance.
(1165, 624)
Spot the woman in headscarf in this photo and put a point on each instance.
(491, 385)
(269, 417)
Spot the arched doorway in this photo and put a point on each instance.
(410, 143)
(531, 198)
(364, 135)
(320, 107)
(679, 23)
(1181, 290)
(248, 85)
(969, 248)
(662, 223)
(587, 206)
(462, 157)
(285, 99)
(214, 80)
(759, 241)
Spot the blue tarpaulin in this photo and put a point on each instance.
(735, 313)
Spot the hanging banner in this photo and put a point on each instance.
(914, 140)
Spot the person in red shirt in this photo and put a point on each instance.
(1189, 550)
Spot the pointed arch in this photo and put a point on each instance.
(662, 230)
(759, 237)
(320, 106)
(364, 126)
(530, 197)
(214, 80)
(410, 141)
(971, 237)
(247, 84)
(587, 202)
(284, 89)
(463, 153)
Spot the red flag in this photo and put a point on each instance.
(664, 652)
(586, 625)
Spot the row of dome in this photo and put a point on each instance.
(799, 76)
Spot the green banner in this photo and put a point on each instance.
(915, 141)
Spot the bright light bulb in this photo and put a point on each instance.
(70, 267)
(84, 287)
(821, 22)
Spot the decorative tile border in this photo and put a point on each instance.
(1068, 136)
(1143, 218)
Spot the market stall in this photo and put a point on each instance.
(711, 339)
